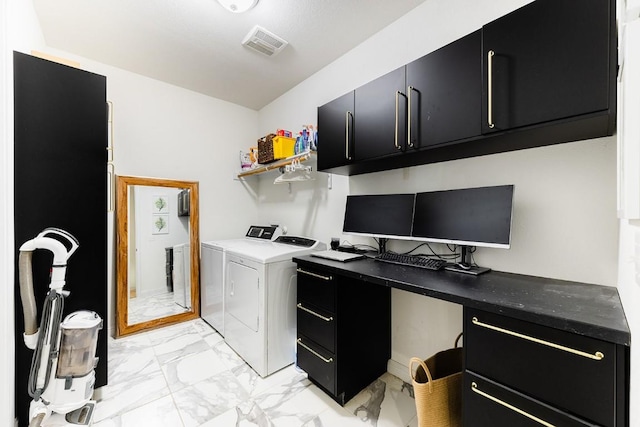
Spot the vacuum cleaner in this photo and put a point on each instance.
(62, 374)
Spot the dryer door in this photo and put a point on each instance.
(243, 298)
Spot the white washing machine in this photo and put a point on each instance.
(260, 301)
(212, 271)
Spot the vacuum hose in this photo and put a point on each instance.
(37, 420)
(29, 308)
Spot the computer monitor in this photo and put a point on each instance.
(379, 215)
(465, 217)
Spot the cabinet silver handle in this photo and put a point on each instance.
(347, 115)
(409, 90)
(312, 351)
(319, 276)
(398, 93)
(490, 89)
(598, 355)
(475, 389)
(303, 308)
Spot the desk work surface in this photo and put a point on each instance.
(585, 309)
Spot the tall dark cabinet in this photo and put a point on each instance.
(60, 181)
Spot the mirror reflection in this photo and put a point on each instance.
(157, 270)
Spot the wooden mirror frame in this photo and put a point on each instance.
(122, 229)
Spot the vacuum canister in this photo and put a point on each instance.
(78, 345)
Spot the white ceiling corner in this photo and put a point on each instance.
(196, 44)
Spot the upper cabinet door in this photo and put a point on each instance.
(335, 132)
(380, 122)
(547, 60)
(444, 91)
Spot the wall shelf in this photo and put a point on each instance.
(276, 165)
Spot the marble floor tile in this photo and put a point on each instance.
(246, 414)
(210, 398)
(192, 369)
(159, 413)
(115, 399)
(185, 375)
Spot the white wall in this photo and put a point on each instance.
(565, 223)
(18, 28)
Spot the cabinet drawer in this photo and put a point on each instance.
(569, 371)
(488, 404)
(319, 364)
(317, 288)
(317, 325)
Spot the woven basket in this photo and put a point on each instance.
(265, 149)
(437, 385)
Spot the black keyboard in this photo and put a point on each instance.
(412, 260)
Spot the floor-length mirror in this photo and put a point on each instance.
(157, 260)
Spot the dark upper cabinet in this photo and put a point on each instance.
(380, 120)
(546, 61)
(444, 92)
(541, 75)
(335, 132)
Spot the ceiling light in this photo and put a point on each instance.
(238, 6)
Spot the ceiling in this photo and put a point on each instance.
(196, 44)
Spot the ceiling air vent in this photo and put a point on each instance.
(264, 41)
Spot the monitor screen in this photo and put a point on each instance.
(379, 215)
(470, 216)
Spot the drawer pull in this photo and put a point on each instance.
(319, 276)
(326, 319)
(318, 355)
(475, 389)
(598, 355)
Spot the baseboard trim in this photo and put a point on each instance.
(399, 370)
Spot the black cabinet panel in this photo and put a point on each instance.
(318, 289)
(551, 61)
(60, 181)
(317, 363)
(488, 404)
(380, 120)
(335, 132)
(555, 375)
(317, 325)
(444, 91)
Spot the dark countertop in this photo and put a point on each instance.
(585, 309)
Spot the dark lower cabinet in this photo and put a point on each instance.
(489, 404)
(514, 368)
(344, 331)
(60, 181)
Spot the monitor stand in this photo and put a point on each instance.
(464, 266)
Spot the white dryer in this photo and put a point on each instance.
(260, 301)
(212, 271)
